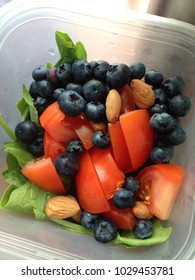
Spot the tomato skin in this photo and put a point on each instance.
(110, 177)
(54, 121)
(119, 147)
(160, 184)
(123, 218)
(127, 99)
(52, 148)
(89, 191)
(43, 173)
(138, 136)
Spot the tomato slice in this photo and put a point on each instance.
(119, 147)
(159, 187)
(110, 176)
(83, 129)
(54, 121)
(127, 99)
(88, 187)
(123, 218)
(52, 148)
(138, 136)
(43, 173)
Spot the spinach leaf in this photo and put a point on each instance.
(6, 128)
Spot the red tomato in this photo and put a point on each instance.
(54, 121)
(119, 147)
(138, 136)
(127, 99)
(52, 148)
(159, 187)
(43, 173)
(83, 129)
(110, 177)
(88, 187)
(123, 218)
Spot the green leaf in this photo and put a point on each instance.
(6, 128)
(64, 42)
(24, 109)
(80, 51)
(72, 226)
(32, 110)
(6, 195)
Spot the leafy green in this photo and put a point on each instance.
(6, 128)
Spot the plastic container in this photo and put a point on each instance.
(27, 40)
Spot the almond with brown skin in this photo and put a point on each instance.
(141, 211)
(62, 207)
(113, 106)
(144, 96)
(98, 125)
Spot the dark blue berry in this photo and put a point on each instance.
(105, 230)
(81, 71)
(176, 136)
(41, 104)
(36, 147)
(158, 108)
(51, 75)
(67, 164)
(71, 103)
(100, 68)
(118, 75)
(89, 220)
(33, 90)
(94, 90)
(143, 229)
(137, 70)
(131, 184)
(76, 87)
(57, 92)
(26, 131)
(160, 96)
(75, 147)
(174, 86)
(153, 78)
(64, 73)
(45, 88)
(101, 139)
(96, 111)
(39, 73)
(162, 122)
(123, 198)
(162, 154)
(180, 105)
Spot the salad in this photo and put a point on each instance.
(93, 149)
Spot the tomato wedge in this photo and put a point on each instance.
(110, 176)
(138, 136)
(119, 147)
(52, 148)
(127, 99)
(54, 121)
(43, 173)
(159, 187)
(123, 218)
(88, 187)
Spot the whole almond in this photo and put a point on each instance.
(144, 96)
(98, 125)
(62, 207)
(141, 211)
(113, 106)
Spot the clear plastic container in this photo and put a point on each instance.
(26, 40)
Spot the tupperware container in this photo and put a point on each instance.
(26, 40)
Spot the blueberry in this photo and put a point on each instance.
(174, 86)
(96, 111)
(75, 147)
(71, 103)
(162, 154)
(153, 78)
(36, 147)
(143, 229)
(176, 136)
(89, 220)
(57, 92)
(33, 90)
(51, 75)
(76, 87)
(100, 68)
(160, 96)
(131, 184)
(157, 108)
(64, 73)
(105, 230)
(162, 122)
(39, 73)
(81, 71)
(45, 88)
(26, 131)
(123, 198)
(137, 70)
(101, 139)
(94, 90)
(180, 105)
(41, 104)
(118, 75)
(67, 164)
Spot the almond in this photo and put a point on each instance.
(141, 211)
(98, 125)
(62, 207)
(144, 96)
(113, 106)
